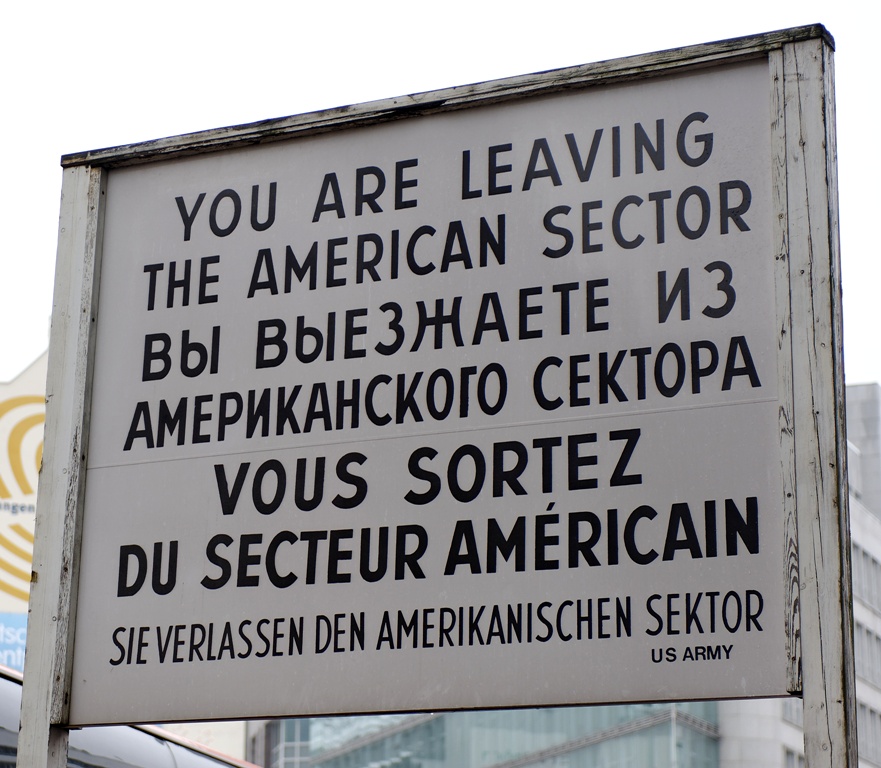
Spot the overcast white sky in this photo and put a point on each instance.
(84, 75)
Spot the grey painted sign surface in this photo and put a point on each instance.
(475, 409)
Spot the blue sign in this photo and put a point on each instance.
(13, 630)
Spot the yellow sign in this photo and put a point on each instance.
(22, 414)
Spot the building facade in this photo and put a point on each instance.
(758, 733)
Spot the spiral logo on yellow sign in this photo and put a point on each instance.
(21, 451)
(24, 421)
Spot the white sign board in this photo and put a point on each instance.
(476, 409)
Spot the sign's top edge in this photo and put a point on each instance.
(446, 99)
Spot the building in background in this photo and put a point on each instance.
(757, 733)
(864, 468)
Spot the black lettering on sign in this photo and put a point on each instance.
(269, 484)
(226, 211)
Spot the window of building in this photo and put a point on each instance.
(793, 711)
